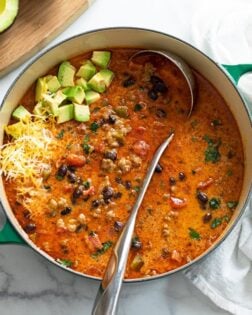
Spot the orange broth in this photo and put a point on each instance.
(189, 201)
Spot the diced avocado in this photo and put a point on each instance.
(65, 113)
(101, 80)
(66, 74)
(20, 113)
(53, 101)
(8, 13)
(15, 130)
(86, 71)
(41, 89)
(92, 96)
(83, 83)
(81, 112)
(75, 94)
(101, 58)
(52, 83)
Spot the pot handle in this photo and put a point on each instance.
(8, 235)
(236, 71)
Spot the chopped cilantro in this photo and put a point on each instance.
(226, 218)
(214, 203)
(136, 188)
(216, 222)
(212, 153)
(60, 135)
(85, 145)
(232, 204)
(105, 247)
(194, 139)
(194, 234)
(216, 122)
(193, 172)
(229, 172)
(138, 107)
(59, 177)
(86, 184)
(94, 126)
(194, 123)
(65, 262)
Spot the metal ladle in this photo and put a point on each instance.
(109, 290)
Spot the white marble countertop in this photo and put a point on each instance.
(29, 285)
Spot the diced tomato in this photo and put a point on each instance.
(178, 203)
(140, 130)
(67, 187)
(100, 147)
(76, 160)
(89, 192)
(206, 183)
(141, 148)
(93, 242)
(61, 230)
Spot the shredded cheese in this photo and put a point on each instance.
(24, 158)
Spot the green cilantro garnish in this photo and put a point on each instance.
(65, 262)
(194, 234)
(85, 145)
(105, 247)
(232, 204)
(60, 135)
(86, 184)
(216, 222)
(138, 107)
(212, 153)
(214, 203)
(94, 126)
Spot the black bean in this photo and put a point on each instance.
(95, 203)
(207, 217)
(71, 168)
(202, 197)
(66, 211)
(153, 95)
(107, 192)
(77, 192)
(101, 122)
(30, 228)
(117, 195)
(158, 84)
(72, 178)
(165, 252)
(111, 119)
(26, 214)
(62, 170)
(172, 181)
(161, 113)
(118, 226)
(129, 81)
(136, 243)
(111, 155)
(118, 180)
(181, 175)
(159, 168)
(127, 184)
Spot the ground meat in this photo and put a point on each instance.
(136, 160)
(107, 165)
(125, 165)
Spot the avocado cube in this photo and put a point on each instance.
(86, 71)
(92, 96)
(65, 113)
(41, 89)
(20, 113)
(101, 80)
(52, 83)
(101, 58)
(81, 112)
(66, 74)
(83, 83)
(53, 101)
(75, 94)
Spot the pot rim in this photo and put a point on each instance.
(224, 234)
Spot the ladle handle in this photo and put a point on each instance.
(108, 293)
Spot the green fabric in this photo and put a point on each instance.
(236, 71)
(9, 235)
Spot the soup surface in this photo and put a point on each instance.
(76, 204)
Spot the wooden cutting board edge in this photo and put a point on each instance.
(45, 41)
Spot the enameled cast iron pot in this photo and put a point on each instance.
(224, 78)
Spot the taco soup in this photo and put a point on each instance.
(77, 149)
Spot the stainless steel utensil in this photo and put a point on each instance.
(108, 294)
(181, 65)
